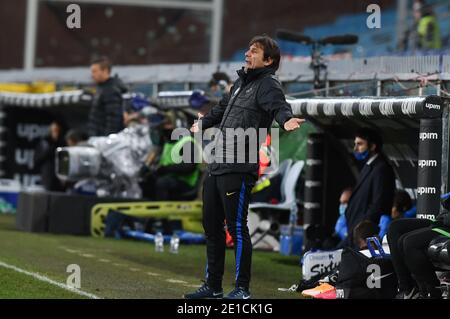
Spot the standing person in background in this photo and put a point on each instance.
(106, 115)
(428, 31)
(45, 157)
(373, 194)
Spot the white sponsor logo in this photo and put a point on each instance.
(432, 106)
(310, 205)
(340, 294)
(25, 157)
(386, 107)
(428, 136)
(347, 109)
(427, 163)
(426, 190)
(311, 108)
(311, 162)
(31, 131)
(365, 108)
(328, 109)
(312, 183)
(409, 107)
(426, 216)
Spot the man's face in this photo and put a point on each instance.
(361, 145)
(254, 57)
(55, 131)
(345, 197)
(98, 74)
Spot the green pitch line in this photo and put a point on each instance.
(129, 269)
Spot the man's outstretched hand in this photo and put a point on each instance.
(293, 124)
(194, 127)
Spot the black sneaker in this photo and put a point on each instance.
(205, 292)
(238, 293)
(410, 294)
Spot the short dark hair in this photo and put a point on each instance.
(76, 135)
(402, 201)
(270, 48)
(217, 77)
(364, 230)
(104, 62)
(371, 136)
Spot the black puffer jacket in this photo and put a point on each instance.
(106, 115)
(256, 99)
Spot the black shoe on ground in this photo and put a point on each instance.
(410, 294)
(205, 292)
(238, 293)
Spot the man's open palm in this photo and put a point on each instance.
(293, 124)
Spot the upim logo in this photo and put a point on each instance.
(427, 163)
(427, 216)
(428, 136)
(432, 106)
(25, 157)
(31, 131)
(426, 190)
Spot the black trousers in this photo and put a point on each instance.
(226, 197)
(408, 242)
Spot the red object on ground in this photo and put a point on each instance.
(229, 240)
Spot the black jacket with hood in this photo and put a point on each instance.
(106, 115)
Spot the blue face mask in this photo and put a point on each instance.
(342, 208)
(361, 156)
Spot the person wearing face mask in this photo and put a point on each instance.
(340, 228)
(374, 192)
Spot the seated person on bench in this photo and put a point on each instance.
(401, 208)
(408, 240)
(167, 177)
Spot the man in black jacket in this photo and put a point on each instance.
(255, 100)
(106, 115)
(373, 194)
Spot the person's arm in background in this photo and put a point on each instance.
(383, 189)
(270, 98)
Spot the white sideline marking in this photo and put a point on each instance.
(48, 280)
(104, 260)
(87, 255)
(73, 251)
(134, 269)
(176, 281)
(192, 286)
(153, 274)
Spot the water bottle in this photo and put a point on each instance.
(174, 243)
(159, 242)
